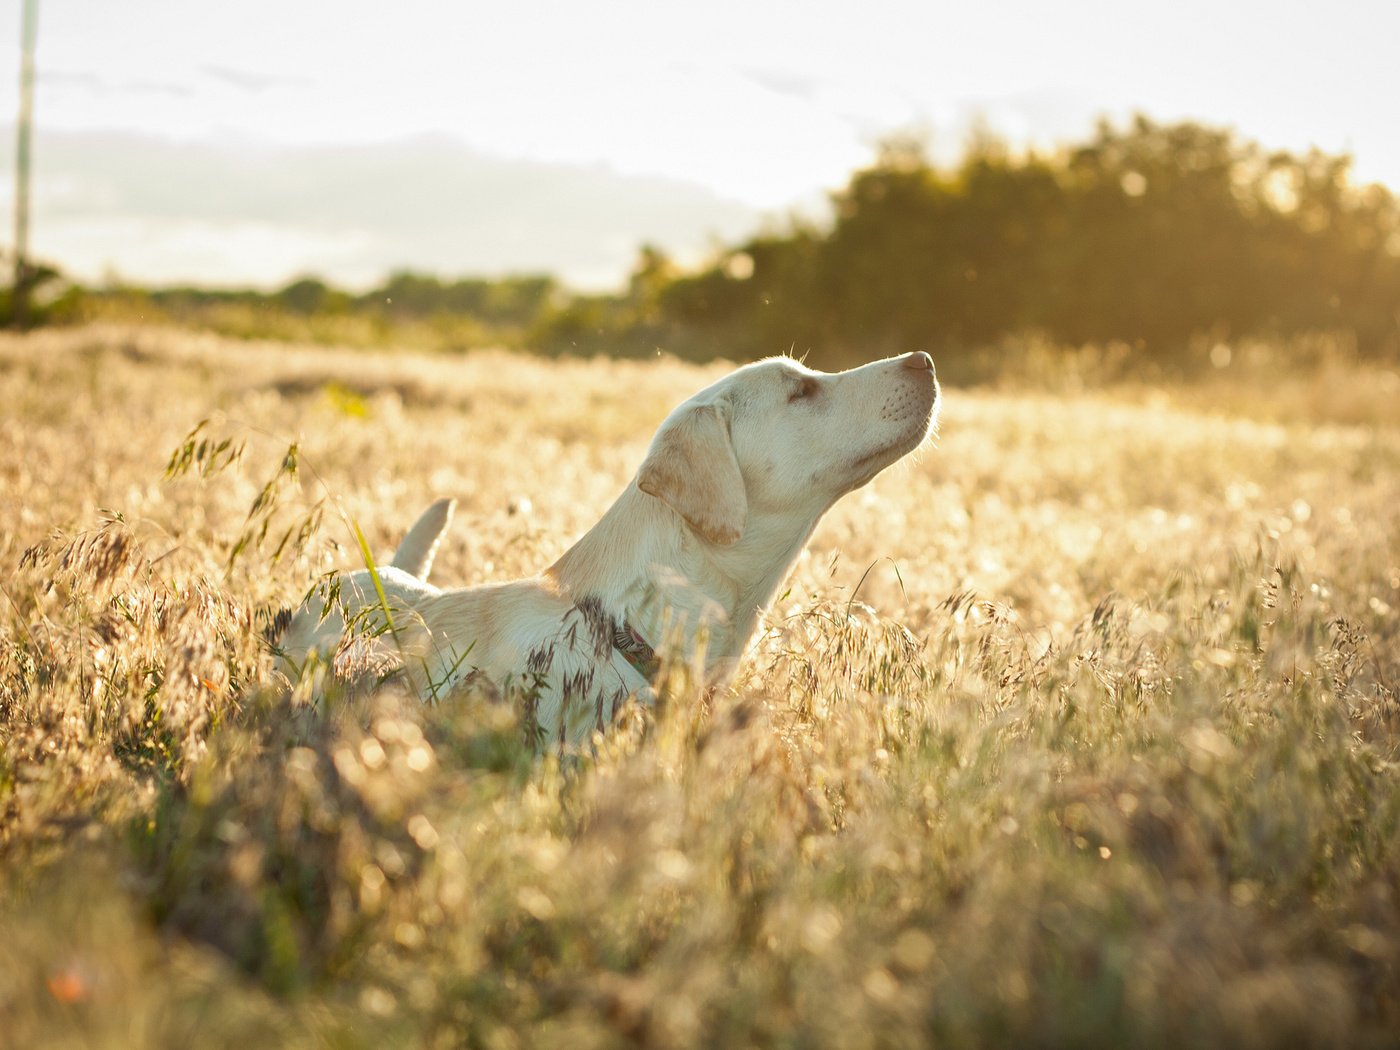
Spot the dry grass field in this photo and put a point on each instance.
(1078, 729)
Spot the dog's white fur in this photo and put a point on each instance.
(318, 629)
(688, 558)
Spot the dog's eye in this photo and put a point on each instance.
(808, 387)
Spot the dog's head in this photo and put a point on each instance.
(778, 439)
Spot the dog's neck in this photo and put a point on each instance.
(649, 569)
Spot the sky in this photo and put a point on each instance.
(189, 140)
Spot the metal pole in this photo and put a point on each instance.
(29, 32)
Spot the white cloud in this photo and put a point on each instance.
(160, 211)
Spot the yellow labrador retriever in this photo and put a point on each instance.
(689, 556)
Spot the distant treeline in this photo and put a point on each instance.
(1149, 236)
(1157, 237)
(408, 307)
(505, 302)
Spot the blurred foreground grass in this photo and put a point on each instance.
(1103, 752)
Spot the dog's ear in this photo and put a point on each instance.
(416, 552)
(691, 468)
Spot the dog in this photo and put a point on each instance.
(686, 561)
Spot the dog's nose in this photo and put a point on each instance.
(918, 361)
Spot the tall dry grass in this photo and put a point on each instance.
(1080, 729)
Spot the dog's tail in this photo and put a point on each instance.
(416, 552)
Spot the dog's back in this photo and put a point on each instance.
(316, 631)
